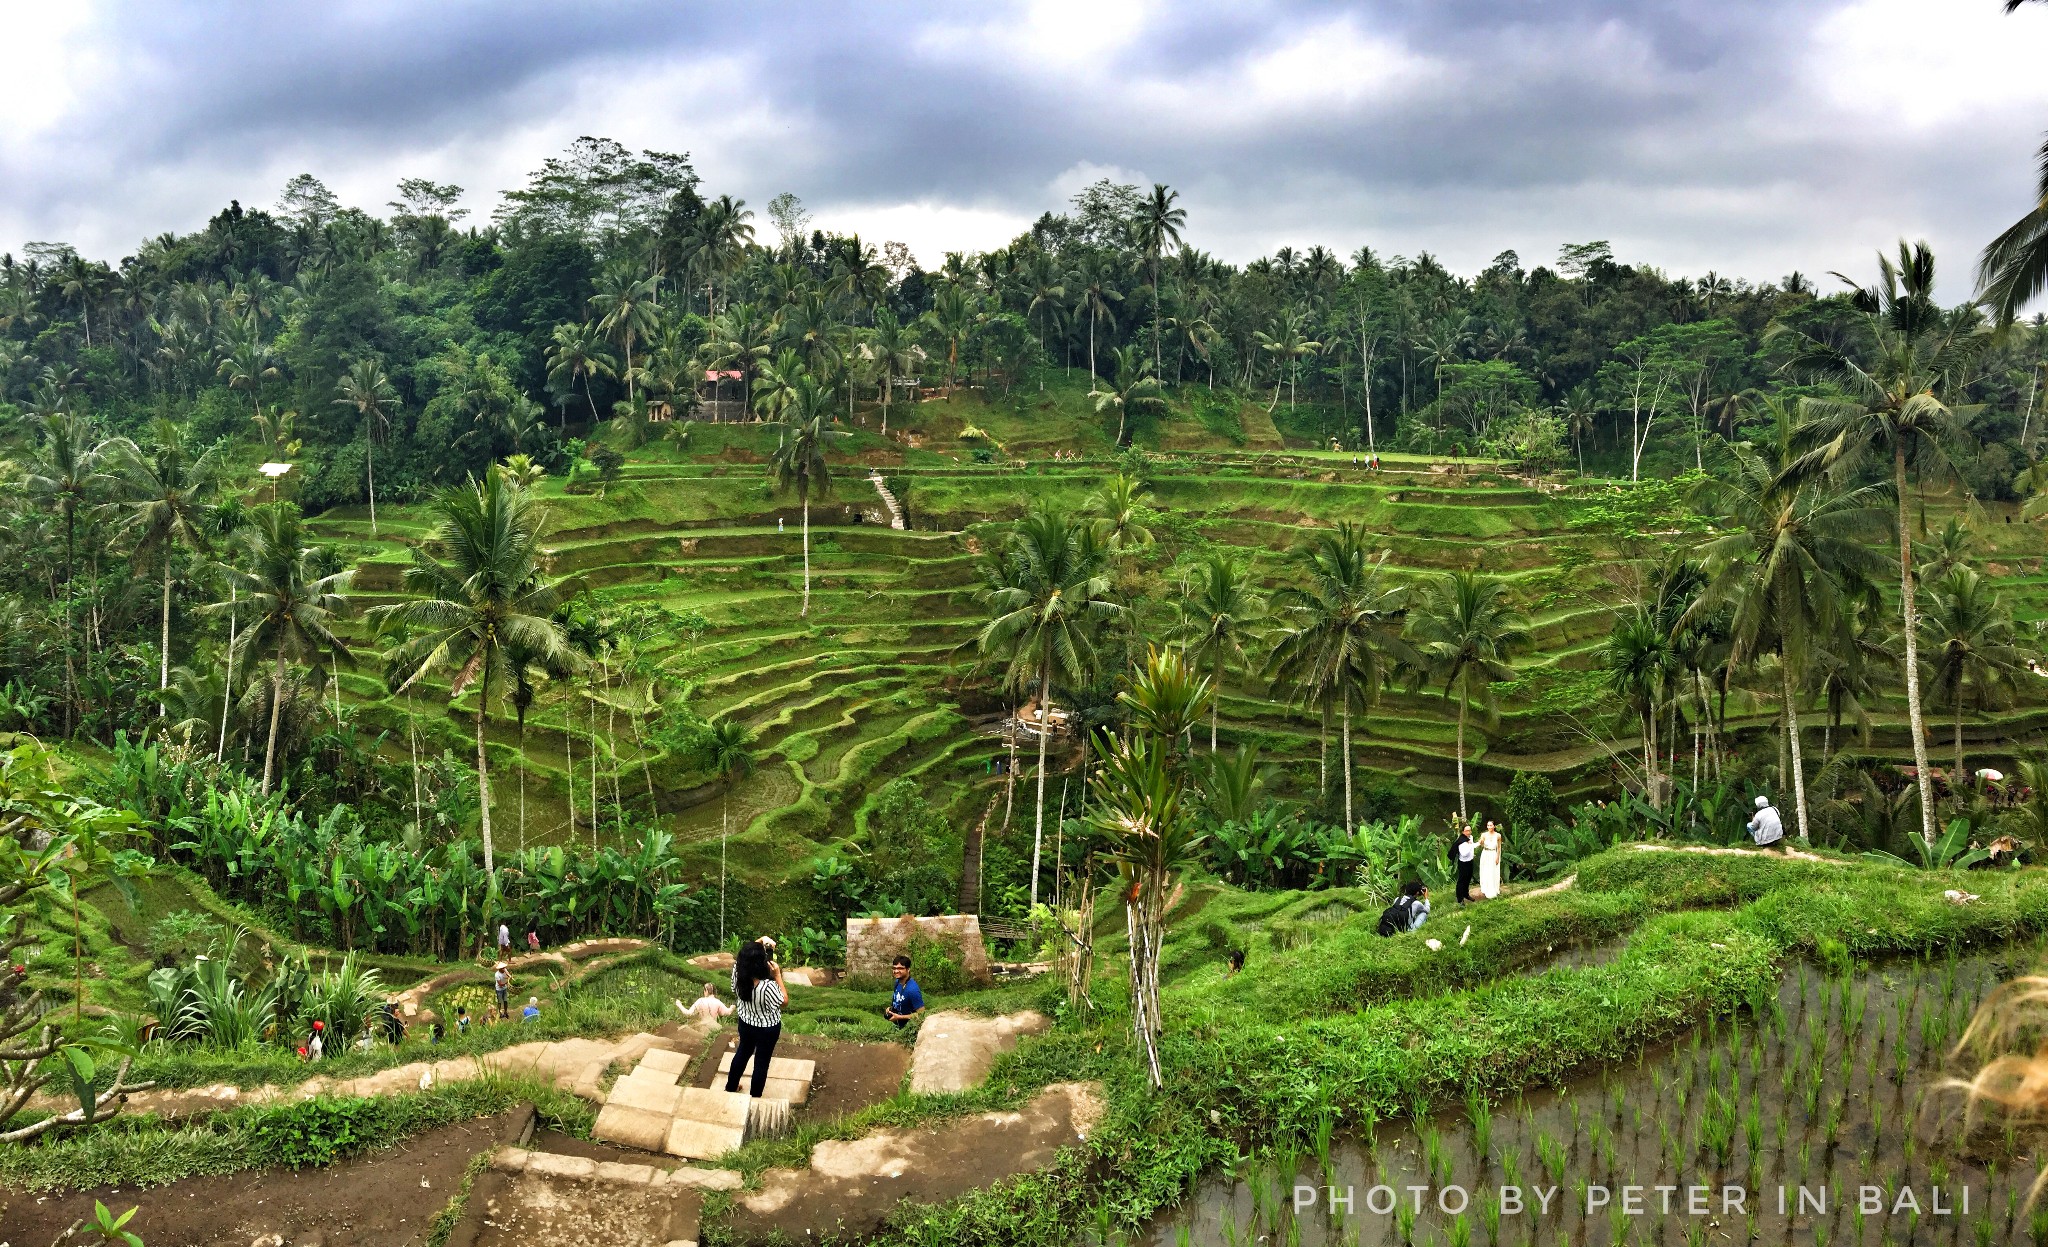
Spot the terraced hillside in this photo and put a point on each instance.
(877, 681)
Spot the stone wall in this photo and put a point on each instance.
(873, 943)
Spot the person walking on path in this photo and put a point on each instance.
(501, 983)
(757, 985)
(1489, 861)
(908, 1000)
(1767, 828)
(504, 940)
(1464, 855)
(533, 939)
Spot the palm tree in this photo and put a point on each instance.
(895, 353)
(365, 388)
(166, 493)
(1791, 553)
(1466, 632)
(799, 465)
(729, 752)
(1641, 664)
(247, 365)
(1971, 654)
(1046, 594)
(1290, 345)
(627, 309)
(723, 235)
(952, 317)
(1115, 508)
(1220, 613)
(289, 605)
(1159, 224)
(1342, 636)
(69, 473)
(2014, 267)
(1135, 390)
(1898, 379)
(482, 594)
(577, 354)
(527, 667)
(1093, 299)
(1045, 290)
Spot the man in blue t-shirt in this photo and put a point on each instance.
(908, 1000)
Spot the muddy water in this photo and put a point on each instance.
(1831, 1098)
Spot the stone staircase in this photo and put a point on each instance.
(648, 1109)
(888, 500)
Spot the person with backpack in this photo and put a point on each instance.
(1408, 912)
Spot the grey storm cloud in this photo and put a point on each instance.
(1745, 137)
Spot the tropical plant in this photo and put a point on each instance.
(1046, 593)
(729, 756)
(366, 389)
(481, 589)
(166, 491)
(1135, 391)
(799, 465)
(1464, 632)
(1898, 378)
(1221, 612)
(1972, 658)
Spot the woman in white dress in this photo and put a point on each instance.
(1489, 861)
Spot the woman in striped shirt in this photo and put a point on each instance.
(757, 986)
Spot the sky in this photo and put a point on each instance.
(1746, 137)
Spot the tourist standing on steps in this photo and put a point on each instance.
(908, 1000)
(1464, 855)
(757, 985)
(1490, 845)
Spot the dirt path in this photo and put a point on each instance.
(1788, 851)
(384, 1199)
(850, 1187)
(955, 1051)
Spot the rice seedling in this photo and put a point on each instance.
(2037, 1227)
(1617, 1223)
(1856, 1220)
(1481, 1114)
(1460, 1233)
(1753, 1128)
(1983, 1229)
(1695, 1235)
(1551, 1153)
(1434, 1161)
(1820, 1232)
(1511, 1169)
(1404, 1222)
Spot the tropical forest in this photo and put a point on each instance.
(1341, 746)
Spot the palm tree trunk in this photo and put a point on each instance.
(227, 688)
(1348, 823)
(1091, 353)
(1323, 754)
(1044, 733)
(724, 832)
(522, 781)
(1962, 776)
(1462, 708)
(483, 773)
(370, 470)
(276, 704)
(569, 761)
(1214, 703)
(1792, 734)
(163, 665)
(1911, 613)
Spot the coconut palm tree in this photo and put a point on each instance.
(1341, 638)
(1791, 553)
(799, 464)
(482, 595)
(729, 752)
(627, 308)
(1222, 612)
(1641, 666)
(247, 364)
(1465, 632)
(1046, 593)
(1972, 657)
(1898, 377)
(1160, 222)
(577, 353)
(1135, 391)
(895, 353)
(287, 605)
(166, 492)
(1115, 508)
(953, 317)
(2014, 267)
(368, 390)
(1095, 294)
(1289, 343)
(68, 471)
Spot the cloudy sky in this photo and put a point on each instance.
(1750, 137)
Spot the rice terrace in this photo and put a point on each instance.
(1152, 712)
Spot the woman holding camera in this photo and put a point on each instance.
(758, 987)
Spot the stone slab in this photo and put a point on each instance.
(509, 1159)
(705, 1179)
(554, 1165)
(955, 1051)
(645, 1095)
(701, 1140)
(631, 1127)
(790, 1068)
(716, 1108)
(787, 1089)
(651, 1077)
(664, 1060)
(625, 1175)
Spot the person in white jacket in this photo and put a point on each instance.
(1766, 828)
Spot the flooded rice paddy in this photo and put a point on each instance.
(1819, 1119)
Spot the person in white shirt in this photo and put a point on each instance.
(1766, 828)
(707, 1007)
